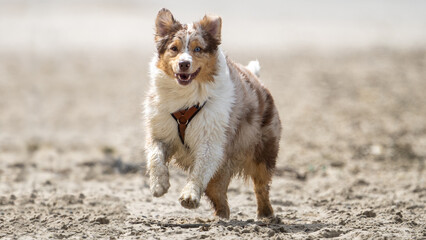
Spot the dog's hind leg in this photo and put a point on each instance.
(216, 192)
(261, 179)
(261, 173)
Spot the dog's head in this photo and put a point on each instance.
(187, 52)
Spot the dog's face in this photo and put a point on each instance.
(187, 52)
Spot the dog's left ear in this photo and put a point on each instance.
(213, 25)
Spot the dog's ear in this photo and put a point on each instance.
(165, 23)
(213, 25)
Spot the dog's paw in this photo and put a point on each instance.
(190, 197)
(159, 184)
(159, 189)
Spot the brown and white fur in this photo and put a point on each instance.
(237, 132)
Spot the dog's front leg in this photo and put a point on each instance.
(207, 162)
(157, 168)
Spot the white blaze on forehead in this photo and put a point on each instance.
(185, 56)
(189, 31)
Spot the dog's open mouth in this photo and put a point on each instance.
(186, 78)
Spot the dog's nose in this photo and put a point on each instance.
(184, 65)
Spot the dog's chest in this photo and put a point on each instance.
(207, 127)
(166, 128)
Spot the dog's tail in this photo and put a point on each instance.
(254, 67)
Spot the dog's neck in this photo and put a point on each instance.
(178, 97)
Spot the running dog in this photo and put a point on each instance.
(208, 115)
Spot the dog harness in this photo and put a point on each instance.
(184, 117)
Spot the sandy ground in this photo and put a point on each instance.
(351, 163)
(352, 159)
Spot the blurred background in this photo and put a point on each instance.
(75, 72)
(348, 77)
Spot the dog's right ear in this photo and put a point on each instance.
(164, 22)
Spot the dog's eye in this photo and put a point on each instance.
(197, 49)
(174, 49)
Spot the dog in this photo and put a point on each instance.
(208, 115)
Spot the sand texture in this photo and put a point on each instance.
(351, 164)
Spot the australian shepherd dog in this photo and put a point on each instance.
(208, 115)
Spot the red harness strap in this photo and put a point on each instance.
(183, 117)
